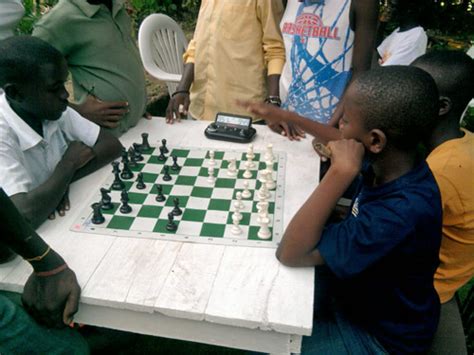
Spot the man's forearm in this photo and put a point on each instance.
(187, 78)
(324, 133)
(274, 85)
(38, 204)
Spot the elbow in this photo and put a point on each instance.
(286, 258)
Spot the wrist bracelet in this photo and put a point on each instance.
(40, 257)
(273, 100)
(51, 272)
(180, 92)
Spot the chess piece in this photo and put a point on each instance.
(232, 168)
(171, 225)
(132, 158)
(211, 162)
(176, 210)
(125, 208)
(145, 145)
(166, 172)
(263, 176)
(124, 156)
(97, 217)
(126, 173)
(160, 197)
(211, 178)
(269, 153)
(115, 167)
(162, 156)
(263, 193)
(175, 165)
(106, 200)
(262, 208)
(264, 231)
(247, 173)
(138, 152)
(140, 183)
(271, 185)
(163, 144)
(246, 192)
(238, 195)
(236, 218)
(117, 184)
(250, 155)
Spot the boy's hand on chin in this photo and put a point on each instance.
(346, 156)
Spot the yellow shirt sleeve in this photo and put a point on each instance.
(270, 13)
(189, 55)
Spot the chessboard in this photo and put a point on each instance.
(202, 189)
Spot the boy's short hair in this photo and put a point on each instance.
(453, 72)
(22, 56)
(401, 101)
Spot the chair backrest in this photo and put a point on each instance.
(162, 43)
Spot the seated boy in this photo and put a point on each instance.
(44, 145)
(385, 253)
(451, 160)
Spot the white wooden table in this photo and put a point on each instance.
(239, 297)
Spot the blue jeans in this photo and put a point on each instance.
(20, 334)
(332, 333)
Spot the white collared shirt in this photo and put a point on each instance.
(26, 159)
(11, 12)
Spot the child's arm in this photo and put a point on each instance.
(273, 114)
(298, 245)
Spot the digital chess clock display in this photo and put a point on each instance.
(233, 121)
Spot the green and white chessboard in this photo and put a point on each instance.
(207, 208)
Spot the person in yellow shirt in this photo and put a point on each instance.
(451, 160)
(237, 53)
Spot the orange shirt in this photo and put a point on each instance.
(452, 164)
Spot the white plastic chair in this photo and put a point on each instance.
(162, 43)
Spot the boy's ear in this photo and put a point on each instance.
(12, 92)
(377, 140)
(445, 105)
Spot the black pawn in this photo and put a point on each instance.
(106, 200)
(160, 197)
(126, 172)
(165, 148)
(175, 165)
(176, 210)
(162, 156)
(140, 184)
(166, 176)
(117, 184)
(97, 217)
(115, 167)
(125, 208)
(131, 156)
(124, 156)
(171, 226)
(145, 145)
(138, 152)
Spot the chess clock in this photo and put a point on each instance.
(232, 128)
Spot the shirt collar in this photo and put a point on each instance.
(27, 137)
(90, 10)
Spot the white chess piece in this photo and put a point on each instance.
(263, 176)
(236, 218)
(264, 231)
(232, 167)
(239, 200)
(211, 179)
(262, 208)
(270, 182)
(269, 153)
(247, 173)
(237, 209)
(246, 192)
(250, 151)
(249, 163)
(263, 193)
(211, 162)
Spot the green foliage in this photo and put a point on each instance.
(468, 123)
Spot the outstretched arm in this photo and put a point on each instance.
(179, 101)
(51, 294)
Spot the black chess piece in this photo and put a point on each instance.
(106, 200)
(140, 184)
(159, 197)
(145, 145)
(162, 156)
(126, 173)
(171, 226)
(165, 148)
(176, 210)
(124, 155)
(117, 184)
(125, 208)
(138, 152)
(175, 165)
(166, 171)
(115, 167)
(97, 217)
(131, 156)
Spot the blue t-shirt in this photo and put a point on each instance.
(385, 255)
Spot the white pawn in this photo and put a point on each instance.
(211, 179)
(263, 193)
(271, 185)
(237, 209)
(246, 193)
(211, 162)
(262, 208)
(263, 176)
(236, 218)
(264, 231)
(247, 173)
(232, 167)
(269, 153)
(250, 152)
(250, 164)
(239, 200)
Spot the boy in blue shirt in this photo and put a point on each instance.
(384, 255)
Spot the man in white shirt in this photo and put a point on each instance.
(408, 41)
(44, 145)
(11, 12)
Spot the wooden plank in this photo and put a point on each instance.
(189, 284)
